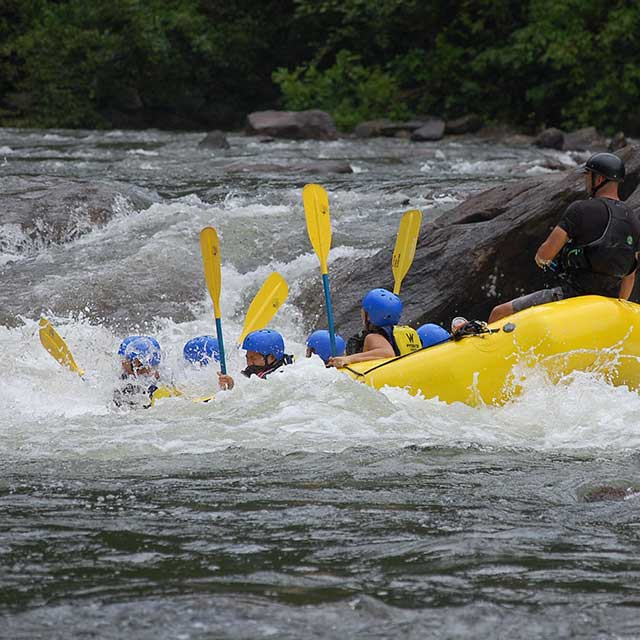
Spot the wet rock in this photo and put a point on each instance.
(371, 128)
(432, 130)
(294, 125)
(618, 141)
(44, 210)
(466, 124)
(478, 254)
(551, 138)
(214, 140)
(402, 129)
(587, 139)
(602, 494)
(390, 129)
(316, 167)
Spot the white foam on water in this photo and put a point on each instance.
(48, 412)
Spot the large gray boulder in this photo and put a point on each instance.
(551, 138)
(372, 128)
(294, 125)
(470, 259)
(466, 124)
(587, 139)
(430, 131)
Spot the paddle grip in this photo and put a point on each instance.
(223, 364)
(327, 299)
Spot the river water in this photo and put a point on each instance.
(307, 506)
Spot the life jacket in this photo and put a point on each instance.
(136, 393)
(613, 254)
(406, 340)
(402, 338)
(263, 372)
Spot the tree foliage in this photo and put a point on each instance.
(203, 63)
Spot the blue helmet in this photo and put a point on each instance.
(383, 307)
(265, 341)
(129, 339)
(145, 349)
(201, 350)
(431, 334)
(320, 342)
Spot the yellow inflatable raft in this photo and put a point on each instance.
(589, 333)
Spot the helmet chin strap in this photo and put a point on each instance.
(594, 189)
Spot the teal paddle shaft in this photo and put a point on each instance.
(327, 299)
(223, 364)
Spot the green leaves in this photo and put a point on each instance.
(348, 90)
(76, 63)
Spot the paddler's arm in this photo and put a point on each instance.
(375, 347)
(626, 286)
(551, 247)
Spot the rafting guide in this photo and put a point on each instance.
(594, 246)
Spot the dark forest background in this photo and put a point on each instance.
(203, 64)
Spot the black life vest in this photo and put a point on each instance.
(613, 253)
(264, 371)
(136, 393)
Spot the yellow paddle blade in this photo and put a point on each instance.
(405, 248)
(316, 211)
(57, 347)
(210, 247)
(172, 392)
(265, 304)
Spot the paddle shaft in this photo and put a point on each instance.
(327, 299)
(223, 364)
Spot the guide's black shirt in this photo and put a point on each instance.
(604, 235)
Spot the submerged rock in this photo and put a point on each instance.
(477, 255)
(315, 167)
(214, 140)
(44, 210)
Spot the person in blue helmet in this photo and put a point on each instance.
(319, 343)
(141, 357)
(265, 354)
(432, 334)
(201, 350)
(381, 311)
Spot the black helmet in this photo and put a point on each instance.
(607, 165)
